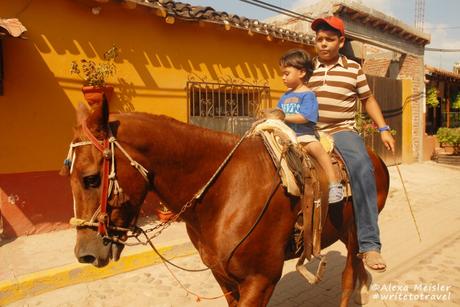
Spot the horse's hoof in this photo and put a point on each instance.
(362, 297)
(362, 293)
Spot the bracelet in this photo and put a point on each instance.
(384, 128)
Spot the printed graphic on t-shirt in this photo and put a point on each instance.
(290, 107)
(303, 103)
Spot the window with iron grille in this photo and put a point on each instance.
(227, 107)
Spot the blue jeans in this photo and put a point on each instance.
(361, 171)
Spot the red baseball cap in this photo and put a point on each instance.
(333, 21)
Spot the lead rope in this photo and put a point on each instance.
(166, 262)
(407, 198)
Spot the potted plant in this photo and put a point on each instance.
(164, 214)
(94, 76)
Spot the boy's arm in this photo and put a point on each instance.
(308, 108)
(372, 108)
(295, 119)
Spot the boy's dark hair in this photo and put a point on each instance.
(326, 27)
(300, 59)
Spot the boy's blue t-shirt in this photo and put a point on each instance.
(304, 103)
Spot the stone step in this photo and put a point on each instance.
(448, 159)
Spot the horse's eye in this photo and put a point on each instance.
(92, 181)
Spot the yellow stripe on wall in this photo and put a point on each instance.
(407, 151)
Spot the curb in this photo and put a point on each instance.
(44, 281)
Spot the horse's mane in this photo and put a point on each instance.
(224, 138)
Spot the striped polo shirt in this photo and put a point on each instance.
(338, 88)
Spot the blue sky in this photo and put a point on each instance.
(442, 20)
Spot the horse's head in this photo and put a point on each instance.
(98, 224)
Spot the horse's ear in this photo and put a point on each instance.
(65, 171)
(98, 118)
(82, 112)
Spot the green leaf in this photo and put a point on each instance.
(93, 73)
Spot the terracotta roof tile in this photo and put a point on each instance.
(430, 70)
(190, 12)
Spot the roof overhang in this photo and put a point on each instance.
(378, 20)
(441, 74)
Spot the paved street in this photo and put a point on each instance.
(423, 273)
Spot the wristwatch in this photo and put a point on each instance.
(384, 128)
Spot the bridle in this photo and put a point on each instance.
(109, 182)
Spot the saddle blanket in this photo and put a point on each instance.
(277, 136)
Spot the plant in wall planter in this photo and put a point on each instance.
(94, 76)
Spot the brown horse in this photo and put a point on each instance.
(180, 159)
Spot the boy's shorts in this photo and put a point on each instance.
(307, 138)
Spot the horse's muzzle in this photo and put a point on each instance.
(91, 248)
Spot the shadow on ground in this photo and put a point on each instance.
(293, 288)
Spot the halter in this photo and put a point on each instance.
(109, 182)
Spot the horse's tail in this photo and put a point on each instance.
(382, 178)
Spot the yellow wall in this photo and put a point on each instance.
(408, 155)
(40, 94)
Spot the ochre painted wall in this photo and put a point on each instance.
(37, 110)
(153, 68)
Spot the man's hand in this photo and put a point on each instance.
(388, 140)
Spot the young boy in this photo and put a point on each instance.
(301, 113)
(338, 83)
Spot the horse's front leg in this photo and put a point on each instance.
(352, 266)
(365, 280)
(256, 291)
(230, 291)
(354, 271)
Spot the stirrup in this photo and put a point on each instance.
(302, 269)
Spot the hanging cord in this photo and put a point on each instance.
(197, 296)
(149, 242)
(166, 262)
(407, 198)
(137, 231)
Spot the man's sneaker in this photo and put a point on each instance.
(335, 193)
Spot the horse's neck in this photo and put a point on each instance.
(181, 157)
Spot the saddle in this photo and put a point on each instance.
(299, 174)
